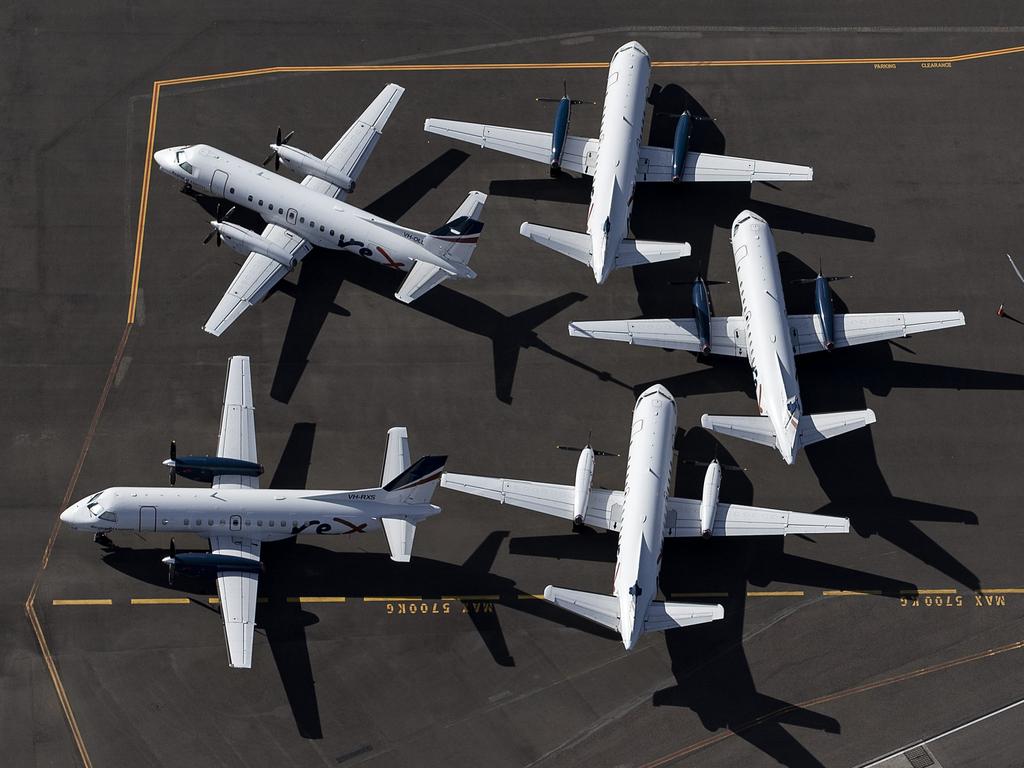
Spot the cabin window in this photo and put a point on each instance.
(232, 190)
(302, 219)
(250, 198)
(312, 223)
(271, 523)
(332, 233)
(282, 523)
(209, 522)
(259, 523)
(186, 521)
(280, 210)
(321, 227)
(260, 202)
(248, 523)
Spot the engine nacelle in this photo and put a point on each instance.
(823, 307)
(584, 479)
(559, 131)
(303, 162)
(245, 240)
(709, 498)
(702, 314)
(680, 146)
(202, 469)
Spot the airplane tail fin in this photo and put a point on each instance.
(662, 616)
(406, 483)
(822, 426)
(452, 244)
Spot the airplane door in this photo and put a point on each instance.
(147, 518)
(235, 523)
(220, 180)
(292, 213)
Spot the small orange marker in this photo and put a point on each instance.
(1000, 312)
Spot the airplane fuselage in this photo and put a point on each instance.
(263, 514)
(622, 122)
(769, 347)
(318, 218)
(642, 531)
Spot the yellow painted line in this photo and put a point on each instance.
(1004, 591)
(161, 601)
(97, 601)
(699, 594)
(216, 600)
(850, 592)
(794, 593)
(530, 597)
(140, 232)
(472, 597)
(315, 599)
(927, 591)
(389, 599)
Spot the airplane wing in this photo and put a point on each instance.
(604, 510)
(349, 155)
(682, 519)
(237, 424)
(655, 164)
(852, 329)
(578, 154)
(728, 334)
(237, 590)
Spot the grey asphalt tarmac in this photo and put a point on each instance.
(833, 651)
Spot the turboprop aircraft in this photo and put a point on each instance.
(617, 160)
(236, 516)
(643, 515)
(770, 338)
(312, 213)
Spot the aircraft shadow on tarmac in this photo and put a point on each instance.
(713, 676)
(847, 467)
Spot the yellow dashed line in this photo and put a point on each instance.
(927, 591)
(530, 597)
(1002, 591)
(479, 598)
(850, 592)
(315, 599)
(160, 601)
(96, 601)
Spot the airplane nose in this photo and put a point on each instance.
(68, 515)
(164, 159)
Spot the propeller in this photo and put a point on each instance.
(830, 278)
(172, 473)
(170, 564)
(274, 155)
(1014, 265)
(578, 450)
(565, 95)
(216, 231)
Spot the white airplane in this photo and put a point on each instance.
(644, 515)
(770, 338)
(236, 515)
(312, 213)
(616, 160)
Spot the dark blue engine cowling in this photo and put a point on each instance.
(823, 306)
(203, 469)
(680, 145)
(559, 132)
(702, 314)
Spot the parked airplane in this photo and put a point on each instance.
(616, 160)
(312, 213)
(644, 515)
(770, 338)
(236, 515)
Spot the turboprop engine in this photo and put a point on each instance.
(560, 129)
(823, 305)
(702, 314)
(199, 563)
(301, 161)
(584, 479)
(709, 498)
(202, 469)
(245, 240)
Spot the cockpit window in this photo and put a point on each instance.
(187, 168)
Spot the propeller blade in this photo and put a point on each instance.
(278, 135)
(568, 448)
(174, 451)
(209, 236)
(172, 475)
(1014, 265)
(277, 161)
(270, 157)
(172, 548)
(286, 139)
(219, 239)
(228, 214)
(604, 453)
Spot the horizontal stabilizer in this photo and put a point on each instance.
(636, 253)
(575, 245)
(601, 609)
(422, 277)
(756, 429)
(400, 534)
(662, 616)
(822, 426)
(728, 334)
